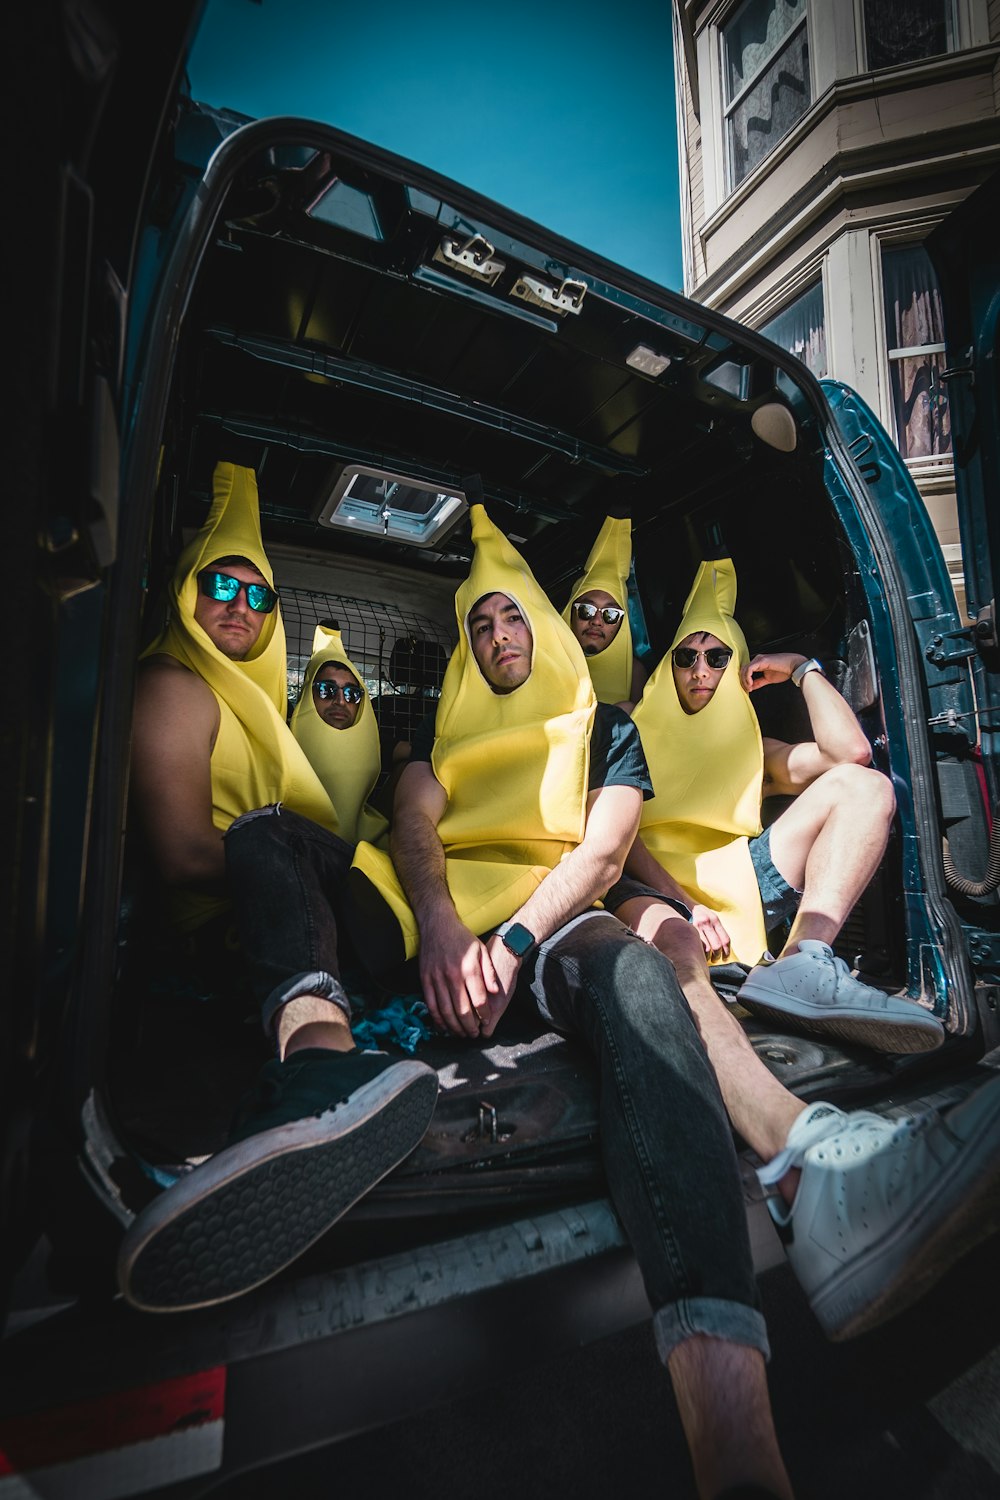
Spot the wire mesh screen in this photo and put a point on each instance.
(397, 651)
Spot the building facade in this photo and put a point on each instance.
(820, 142)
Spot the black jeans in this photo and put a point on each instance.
(288, 880)
(667, 1145)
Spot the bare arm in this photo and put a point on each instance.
(456, 972)
(174, 726)
(574, 884)
(838, 738)
(461, 975)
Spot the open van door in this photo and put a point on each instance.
(966, 257)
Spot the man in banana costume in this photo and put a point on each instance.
(701, 839)
(510, 820)
(234, 813)
(598, 614)
(347, 760)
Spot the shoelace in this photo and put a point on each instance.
(793, 1156)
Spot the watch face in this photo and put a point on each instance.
(518, 939)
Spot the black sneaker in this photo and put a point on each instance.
(317, 1132)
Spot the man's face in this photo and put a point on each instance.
(501, 642)
(233, 627)
(335, 710)
(696, 684)
(594, 634)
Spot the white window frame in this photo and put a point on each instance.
(725, 109)
(956, 30)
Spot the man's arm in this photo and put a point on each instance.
(456, 972)
(838, 738)
(463, 978)
(574, 884)
(174, 726)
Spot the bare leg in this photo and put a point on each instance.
(828, 845)
(310, 1021)
(725, 1410)
(760, 1108)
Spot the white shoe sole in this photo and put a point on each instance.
(240, 1218)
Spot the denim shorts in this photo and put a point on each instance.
(777, 897)
(626, 889)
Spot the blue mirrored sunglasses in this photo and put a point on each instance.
(224, 588)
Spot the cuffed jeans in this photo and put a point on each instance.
(667, 1145)
(668, 1150)
(287, 878)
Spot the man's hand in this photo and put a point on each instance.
(714, 937)
(769, 668)
(458, 977)
(506, 967)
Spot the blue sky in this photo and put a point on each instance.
(563, 112)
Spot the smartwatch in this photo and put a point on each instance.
(516, 938)
(812, 665)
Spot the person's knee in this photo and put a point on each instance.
(863, 786)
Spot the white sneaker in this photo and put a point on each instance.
(885, 1207)
(817, 991)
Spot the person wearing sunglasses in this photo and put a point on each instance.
(347, 761)
(599, 619)
(504, 837)
(246, 841)
(701, 839)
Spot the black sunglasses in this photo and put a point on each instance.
(716, 657)
(350, 692)
(610, 614)
(224, 588)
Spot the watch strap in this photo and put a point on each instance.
(804, 668)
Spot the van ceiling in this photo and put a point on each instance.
(342, 316)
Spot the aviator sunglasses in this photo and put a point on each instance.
(350, 691)
(716, 657)
(224, 588)
(610, 614)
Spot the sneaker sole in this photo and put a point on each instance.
(952, 1220)
(909, 1034)
(252, 1209)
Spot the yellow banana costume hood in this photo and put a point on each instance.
(607, 568)
(707, 770)
(347, 761)
(255, 760)
(515, 765)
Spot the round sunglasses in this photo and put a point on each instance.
(610, 613)
(716, 657)
(350, 691)
(224, 588)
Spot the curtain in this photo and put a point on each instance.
(901, 31)
(913, 319)
(801, 329)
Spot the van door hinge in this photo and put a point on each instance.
(473, 257)
(941, 654)
(567, 297)
(966, 369)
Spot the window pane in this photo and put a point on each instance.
(770, 109)
(752, 37)
(801, 329)
(913, 320)
(901, 31)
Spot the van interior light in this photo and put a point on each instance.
(377, 502)
(647, 361)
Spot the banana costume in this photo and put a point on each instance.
(708, 771)
(515, 766)
(347, 761)
(607, 568)
(256, 759)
